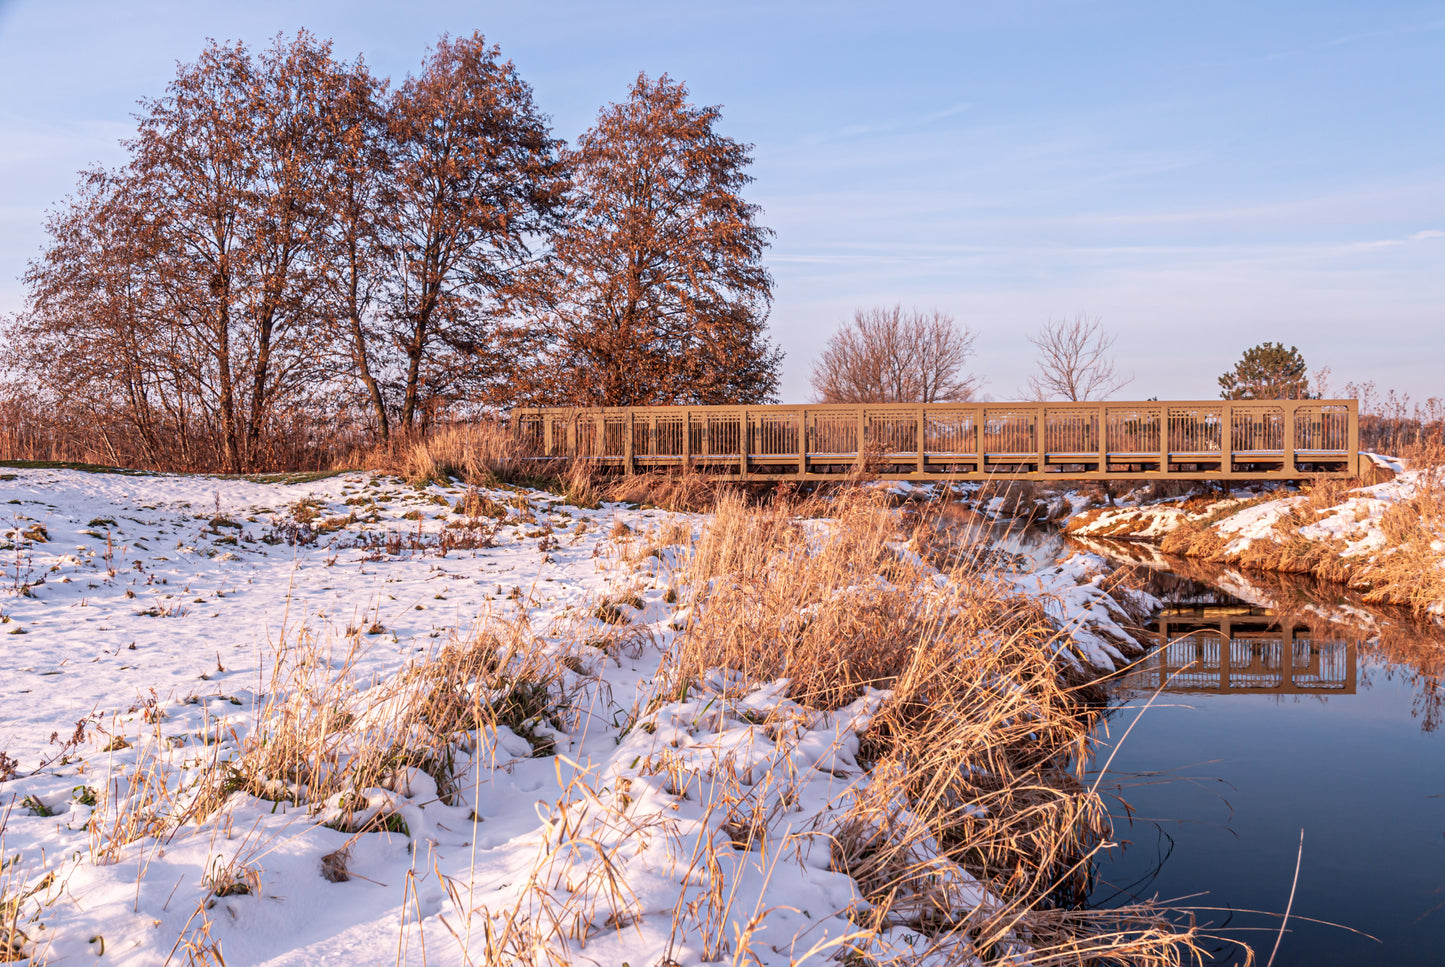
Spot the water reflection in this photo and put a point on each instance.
(1346, 749)
(1240, 649)
(1382, 644)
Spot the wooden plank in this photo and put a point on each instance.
(802, 440)
(918, 441)
(1290, 410)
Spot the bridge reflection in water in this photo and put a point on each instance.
(1243, 650)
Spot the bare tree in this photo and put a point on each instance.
(1074, 361)
(887, 355)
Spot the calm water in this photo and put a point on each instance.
(1242, 749)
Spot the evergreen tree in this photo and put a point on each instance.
(1267, 372)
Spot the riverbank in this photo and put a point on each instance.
(353, 719)
(1386, 541)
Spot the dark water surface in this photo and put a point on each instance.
(1242, 749)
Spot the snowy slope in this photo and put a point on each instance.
(155, 620)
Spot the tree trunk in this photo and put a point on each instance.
(363, 369)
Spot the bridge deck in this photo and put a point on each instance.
(1188, 440)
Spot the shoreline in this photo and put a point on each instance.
(1385, 541)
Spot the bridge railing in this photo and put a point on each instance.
(1237, 438)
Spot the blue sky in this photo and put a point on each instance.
(1202, 176)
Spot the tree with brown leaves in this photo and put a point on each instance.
(212, 227)
(477, 179)
(656, 291)
(354, 260)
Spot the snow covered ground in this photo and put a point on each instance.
(1387, 540)
(153, 626)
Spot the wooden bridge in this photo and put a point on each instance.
(1196, 440)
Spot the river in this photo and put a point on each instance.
(1321, 717)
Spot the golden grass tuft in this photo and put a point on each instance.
(685, 491)
(472, 452)
(975, 755)
(319, 738)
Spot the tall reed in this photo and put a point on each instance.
(975, 755)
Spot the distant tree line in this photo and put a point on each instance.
(295, 247)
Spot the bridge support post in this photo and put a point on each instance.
(862, 433)
(627, 446)
(1041, 442)
(686, 440)
(1163, 438)
(802, 440)
(1352, 418)
(1226, 441)
(743, 443)
(979, 417)
(1101, 424)
(1226, 652)
(922, 436)
(1291, 409)
(1286, 657)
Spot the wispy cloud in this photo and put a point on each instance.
(900, 124)
(1344, 40)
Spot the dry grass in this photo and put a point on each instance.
(1409, 570)
(24, 895)
(472, 452)
(321, 740)
(683, 491)
(488, 453)
(975, 755)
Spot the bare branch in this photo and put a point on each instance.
(1074, 361)
(887, 355)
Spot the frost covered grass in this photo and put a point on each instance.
(359, 719)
